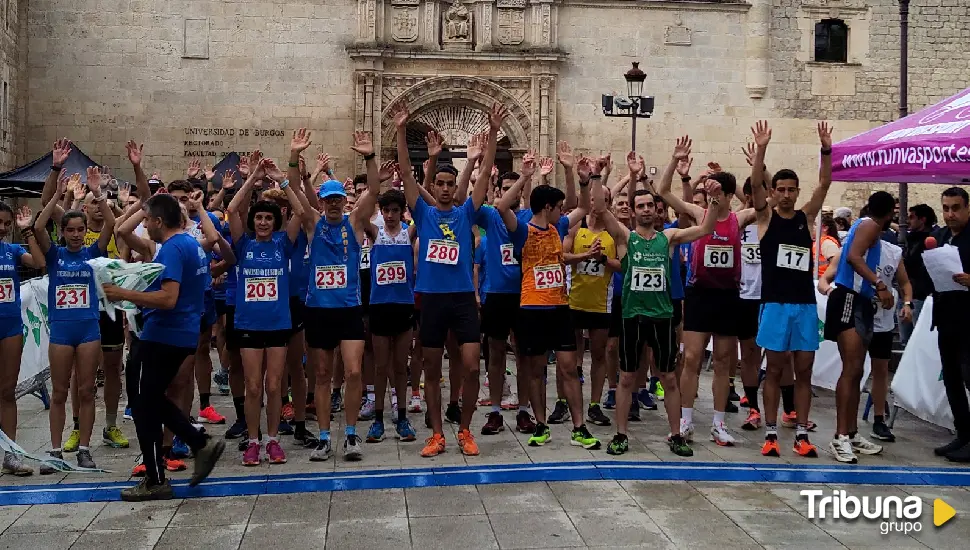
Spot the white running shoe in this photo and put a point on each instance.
(415, 405)
(721, 436)
(367, 410)
(863, 446)
(841, 448)
(687, 431)
(509, 402)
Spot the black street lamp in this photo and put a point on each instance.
(635, 105)
(903, 103)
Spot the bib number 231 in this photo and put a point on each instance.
(548, 276)
(442, 252)
(72, 297)
(718, 256)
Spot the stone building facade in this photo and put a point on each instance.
(204, 77)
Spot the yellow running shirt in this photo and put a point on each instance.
(92, 237)
(591, 278)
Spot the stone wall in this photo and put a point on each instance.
(13, 82)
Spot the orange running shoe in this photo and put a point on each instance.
(433, 446)
(804, 448)
(174, 465)
(770, 448)
(288, 413)
(210, 416)
(139, 471)
(789, 420)
(744, 401)
(753, 422)
(466, 442)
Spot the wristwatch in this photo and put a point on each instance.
(908, 304)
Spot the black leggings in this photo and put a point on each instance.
(148, 376)
(955, 356)
(659, 334)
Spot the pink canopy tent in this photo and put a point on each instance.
(931, 146)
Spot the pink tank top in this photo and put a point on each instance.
(716, 259)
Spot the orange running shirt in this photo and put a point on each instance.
(543, 267)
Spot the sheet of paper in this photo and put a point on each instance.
(942, 264)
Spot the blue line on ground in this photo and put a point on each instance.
(94, 491)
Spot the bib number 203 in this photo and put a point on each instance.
(261, 289)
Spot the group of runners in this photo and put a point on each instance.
(318, 306)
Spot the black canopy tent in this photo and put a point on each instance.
(228, 162)
(28, 180)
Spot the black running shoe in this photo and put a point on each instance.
(882, 432)
(237, 430)
(733, 396)
(560, 413)
(595, 416)
(731, 408)
(453, 414)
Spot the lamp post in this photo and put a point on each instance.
(635, 105)
(903, 103)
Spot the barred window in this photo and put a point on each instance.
(831, 41)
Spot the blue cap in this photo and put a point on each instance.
(332, 188)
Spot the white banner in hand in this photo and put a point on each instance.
(918, 383)
(34, 365)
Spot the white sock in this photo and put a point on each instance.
(251, 441)
(718, 418)
(271, 438)
(687, 415)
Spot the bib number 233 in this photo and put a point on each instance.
(442, 252)
(328, 277)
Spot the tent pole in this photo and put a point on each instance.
(903, 103)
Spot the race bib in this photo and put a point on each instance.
(389, 273)
(548, 276)
(261, 289)
(72, 297)
(7, 295)
(441, 251)
(365, 257)
(508, 258)
(794, 257)
(751, 253)
(331, 277)
(718, 256)
(591, 267)
(648, 279)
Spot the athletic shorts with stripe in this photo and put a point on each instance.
(659, 334)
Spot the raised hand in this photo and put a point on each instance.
(62, 150)
(195, 201)
(762, 133)
(271, 170)
(604, 165)
(528, 164)
(387, 170)
(300, 141)
(124, 192)
(195, 166)
(74, 184)
(254, 158)
(243, 167)
(303, 173)
(682, 148)
(825, 134)
(94, 180)
(497, 116)
(258, 171)
(24, 218)
(209, 173)
(713, 167)
(134, 152)
(228, 179)
(546, 166)
(565, 154)
(749, 153)
(584, 168)
(362, 144)
(631, 163)
(476, 146)
(400, 115)
(711, 186)
(435, 143)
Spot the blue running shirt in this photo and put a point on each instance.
(263, 289)
(392, 268)
(71, 295)
(446, 248)
(10, 281)
(334, 260)
(501, 263)
(188, 265)
(846, 276)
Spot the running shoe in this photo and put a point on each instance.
(99, 377)
(803, 447)
(509, 402)
(139, 470)
(466, 442)
(84, 459)
(113, 437)
(275, 452)
(322, 451)
(950, 447)
(405, 432)
(541, 436)
(882, 432)
(596, 417)
(753, 422)
(376, 432)
(687, 431)
(251, 457)
(494, 424)
(524, 423)
(73, 442)
(285, 428)
(367, 409)
(174, 465)
(433, 446)
(841, 449)
(731, 408)
(618, 445)
(770, 448)
(721, 436)
(789, 420)
(311, 411)
(733, 395)
(336, 401)
(453, 414)
(46, 470)
(127, 413)
(485, 402)
(14, 465)
(610, 402)
(206, 459)
(744, 401)
(679, 446)
(863, 446)
(221, 378)
(634, 415)
(179, 448)
(288, 414)
(144, 492)
(237, 430)
(659, 391)
(210, 416)
(304, 438)
(581, 437)
(414, 406)
(646, 400)
(560, 413)
(352, 448)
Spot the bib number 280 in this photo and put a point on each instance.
(442, 252)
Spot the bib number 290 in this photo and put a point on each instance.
(548, 276)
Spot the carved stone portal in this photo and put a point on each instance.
(511, 26)
(457, 25)
(404, 24)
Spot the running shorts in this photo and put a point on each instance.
(112, 332)
(74, 333)
(263, 339)
(881, 346)
(747, 318)
(659, 334)
(297, 314)
(848, 310)
(444, 311)
(711, 310)
(499, 312)
(589, 320)
(391, 319)
(543, 330)
(330, 326)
